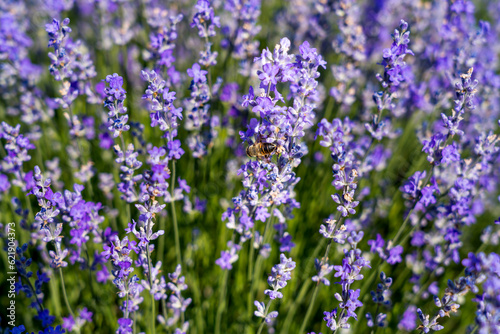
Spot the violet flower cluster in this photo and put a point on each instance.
(446, 197)
(270, 184)
(16, 147)
(350, 42)
(128, 285)
(200, 119)
(381, 296)
(349, 271)
(241, 31)
(396, 72)
(483, 269)
(163, 112)
(280, 274)
(70, 64)
(163, 41)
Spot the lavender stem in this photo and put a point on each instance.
(64, 293)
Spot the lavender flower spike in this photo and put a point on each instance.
(280, 274)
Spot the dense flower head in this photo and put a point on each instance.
(70, 63)
(197, 106)
(204, 19)
(162, 41)
(348, 272)
(266, 181)
(396, 74)
(160, 103)
(393, 57)
(16, 146)
(280, 274)
(240, 34)
(391, 254)
(115, 98)
(130, 164)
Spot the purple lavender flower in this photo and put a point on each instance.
(391, 254)
(166, 116)
(330, 318)
(130, 164)
(349, 271)
(45, 318)
(228, 257)
(380, 320)
(380, 297)
(205, 19)
(198, 75)
(128, 286)
(115, 97)
(395, 73)
(280, 274)
(70, 64)
(18, 329)
(477, 270)
(323, 269)
(284, 126)
(162, 41)
(241, 31)
(72, 324)
(17, 146)
(177, 303)
(261, 312)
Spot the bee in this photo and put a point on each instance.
(261, 150)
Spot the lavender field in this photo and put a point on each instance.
(247, 166)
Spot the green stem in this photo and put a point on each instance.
(153, 315)
(310, 308)
(258, 265)
(90, 272)
(161, 242)
(64, 293)
(222, 302)
(295, 304)
(126, 302)
(250, 273)
(251, 255)
(402, 227)
(113, 219)
(223, 291)
(164, 309)
(340, 317)
(135, 322)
